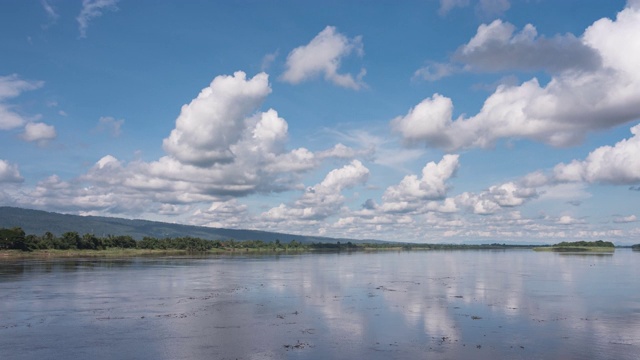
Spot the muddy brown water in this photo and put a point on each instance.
(514, 304)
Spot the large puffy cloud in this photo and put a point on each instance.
(618, 164)
(220, 149)
(426, 121)
(12, 86)
(415, 194)
(322, 200)
(479, 204)
(9, 172)
(431, 186)
(322, 56)
(408, 210)
(245, 157)
(497, 197)
(510, 194)
(167, 180)
(215, 120)
(135, 188)
(428, 194)
(497, 46)
(575, 101)
(346, 177)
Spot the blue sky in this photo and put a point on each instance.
(427, 121)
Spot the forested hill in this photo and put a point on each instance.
(38, 222)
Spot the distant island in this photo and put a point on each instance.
(580, 246)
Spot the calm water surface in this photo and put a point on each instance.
(515, 304)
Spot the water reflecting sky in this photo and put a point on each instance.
(515, 304)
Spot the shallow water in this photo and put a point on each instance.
(514, 304)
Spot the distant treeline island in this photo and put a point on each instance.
(581, 246)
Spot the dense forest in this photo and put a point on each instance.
(16, 239)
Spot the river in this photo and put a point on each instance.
(468, 304)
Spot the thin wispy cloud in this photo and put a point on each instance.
(92, 9)
(485, 9)
(110, 125)
(51, 12)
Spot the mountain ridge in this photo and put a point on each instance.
(38, 222)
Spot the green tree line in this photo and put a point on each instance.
(16, 239)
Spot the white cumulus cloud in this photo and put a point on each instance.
(432, 185)
(618, 164)
(214, 121)
(497, 46)
(221, 148)
(38, 132)
(426, 121)
(9, 172)
(574, 102)
(322, 200)
(322, 56)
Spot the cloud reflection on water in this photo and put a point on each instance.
(376, 305)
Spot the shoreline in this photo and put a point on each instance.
(9, 255)
(50, 254)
